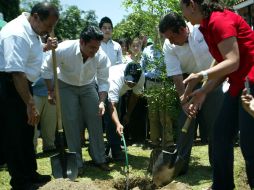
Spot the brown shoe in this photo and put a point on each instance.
(103, 167)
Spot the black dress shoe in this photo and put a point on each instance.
(38, 178)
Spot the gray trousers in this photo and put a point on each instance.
(80, 107)
(206, 117)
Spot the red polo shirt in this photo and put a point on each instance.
(222, 25)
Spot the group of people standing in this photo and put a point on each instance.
(93, 75)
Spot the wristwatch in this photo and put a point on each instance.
(205, 75)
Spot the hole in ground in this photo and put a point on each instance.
(137, 183)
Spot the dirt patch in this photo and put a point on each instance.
(137, 183)
(65, 184)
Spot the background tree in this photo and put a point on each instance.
(10, 9)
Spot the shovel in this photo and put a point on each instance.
(63, 164)
(170, 163)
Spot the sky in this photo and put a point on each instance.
(110, 8)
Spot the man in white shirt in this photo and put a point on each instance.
(79, 62)
(21, 53)
(122, 78)
(185, 52)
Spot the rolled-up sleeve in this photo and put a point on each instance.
(173, 65)
(103, 73)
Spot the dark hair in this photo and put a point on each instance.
(125, 41)
(44, 10)
(105, 20)
(173, 22)
(91, 33)
(207, 6)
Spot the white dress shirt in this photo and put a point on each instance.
(117, 86)
(113, 51)
(73, 71)
(21, 48)
(192, 57)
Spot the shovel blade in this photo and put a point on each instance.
(64, 165)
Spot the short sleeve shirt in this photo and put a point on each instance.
(117, 86)
(20, 48)
(233, 25)
(188, 58)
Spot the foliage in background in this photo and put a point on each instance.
(144, 19)
(10, 9)
(165, 96)
(72, 20)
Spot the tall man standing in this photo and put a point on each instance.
(185, 51)
(21, 53)
(79, 62)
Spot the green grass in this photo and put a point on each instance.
(198, 177)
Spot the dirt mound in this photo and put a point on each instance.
(65, 184)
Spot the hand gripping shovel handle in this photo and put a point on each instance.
(188, 120)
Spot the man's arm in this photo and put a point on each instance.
(22, 87)
(115, 118)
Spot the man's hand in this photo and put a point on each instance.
(51, 97)
(191, 81)
(51, 44)
(247, 102)
(119, 129)
(101, 108)
(32, 113)
(192, 107)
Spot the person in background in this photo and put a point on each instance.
(136, 50)
(185, 52)
(47, 117)
(124, 43)
(231, 43)
(21, 56)
(152, 62)
(112, 48)
(80, 62)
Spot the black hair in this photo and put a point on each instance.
(172, 21)
(125, 41)
(208, 6)
(105, 20)
(91, 33)
(44, 10)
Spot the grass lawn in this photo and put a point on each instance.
(198, 177)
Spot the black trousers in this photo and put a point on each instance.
(16, 134)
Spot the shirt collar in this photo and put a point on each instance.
(109, 41)
(24, 16)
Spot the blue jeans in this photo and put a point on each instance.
(232, 118)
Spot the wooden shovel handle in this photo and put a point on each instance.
(188, 120)
(56, 87)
